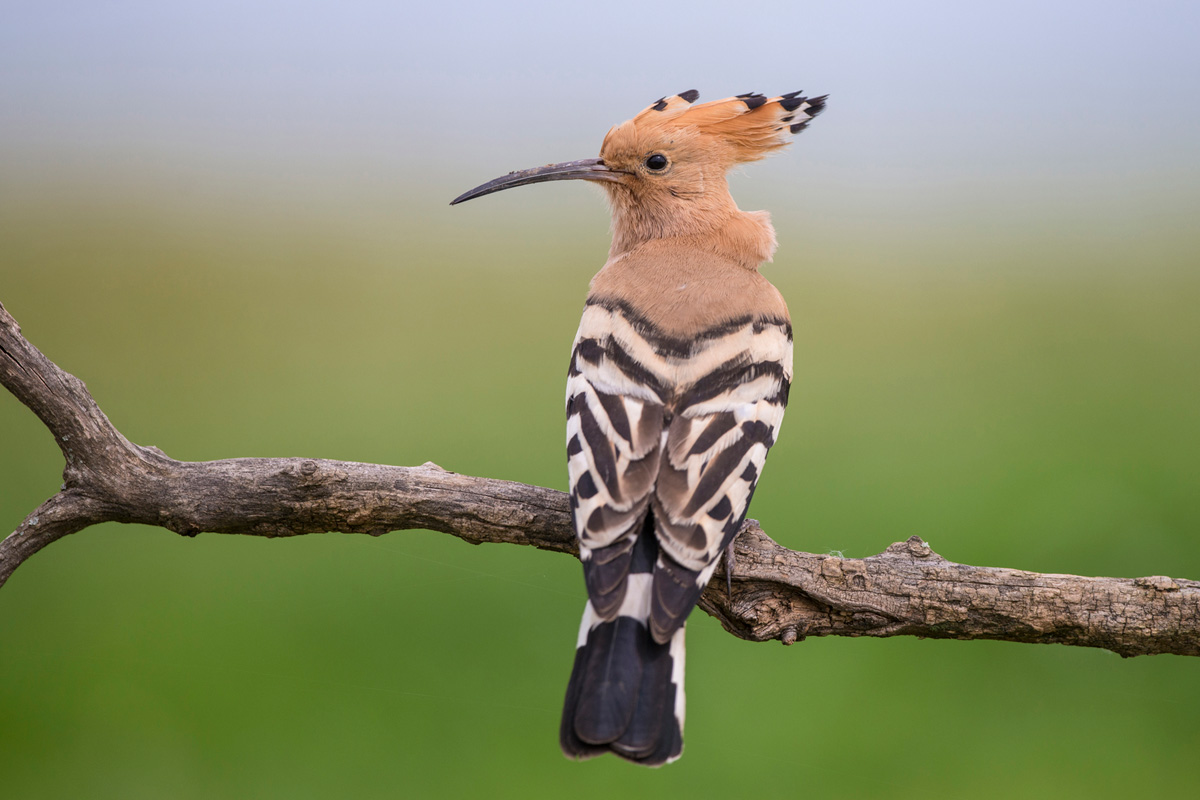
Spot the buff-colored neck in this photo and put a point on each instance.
(708, 220)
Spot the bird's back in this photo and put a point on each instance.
(677, 387)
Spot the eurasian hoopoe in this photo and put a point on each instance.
(677, 384)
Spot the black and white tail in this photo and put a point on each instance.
(626, 690)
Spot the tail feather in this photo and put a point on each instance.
(625, 694)
(655, 733)
(626, 690)
(572, 745)
(611, 681)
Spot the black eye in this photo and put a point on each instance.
(657, 162)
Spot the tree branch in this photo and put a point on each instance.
(777, 593)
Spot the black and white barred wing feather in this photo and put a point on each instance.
(716, 443)
(614, 440)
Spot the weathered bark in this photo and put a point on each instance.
(777, 593)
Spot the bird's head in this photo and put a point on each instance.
(664, 170)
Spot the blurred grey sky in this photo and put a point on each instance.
(1089, 108)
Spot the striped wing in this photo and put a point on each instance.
(614, 441)
(715, 448)
(717, 441)
(681, 428)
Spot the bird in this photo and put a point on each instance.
(677, 384)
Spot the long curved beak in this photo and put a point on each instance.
(589, 169)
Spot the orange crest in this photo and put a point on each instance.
(743, 128)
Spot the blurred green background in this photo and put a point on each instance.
(231, 222)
